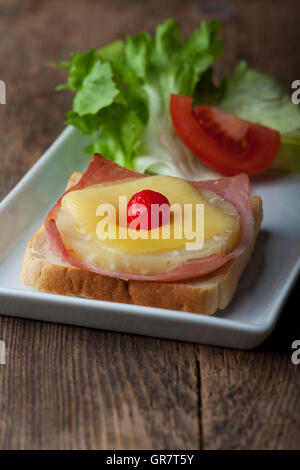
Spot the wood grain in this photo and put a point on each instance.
(250, 399)
(73, 388)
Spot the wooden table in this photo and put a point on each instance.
(66, 387)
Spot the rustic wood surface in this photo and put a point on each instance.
(73, 388)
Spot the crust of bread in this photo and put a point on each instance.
(43, 270)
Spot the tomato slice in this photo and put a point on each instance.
(222, 141)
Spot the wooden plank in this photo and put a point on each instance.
(74, 388)
(66, 387)
(249, 400)
(264, 33)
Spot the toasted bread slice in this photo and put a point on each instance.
(43, 270)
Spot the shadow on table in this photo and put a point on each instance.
(288, 326)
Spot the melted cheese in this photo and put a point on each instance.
(77, 223)
(82, 206)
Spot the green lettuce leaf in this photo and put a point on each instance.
(97, 91)
(122, 95)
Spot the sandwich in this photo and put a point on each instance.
(163, 215)
(81, 251)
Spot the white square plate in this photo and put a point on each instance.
(247, 321)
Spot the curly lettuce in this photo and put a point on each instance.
(122, 95)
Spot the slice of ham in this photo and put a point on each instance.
(235, 189)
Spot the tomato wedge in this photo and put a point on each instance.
(222, 141)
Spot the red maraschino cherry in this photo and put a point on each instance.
(139, 210)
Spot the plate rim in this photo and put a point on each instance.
(260, 329)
